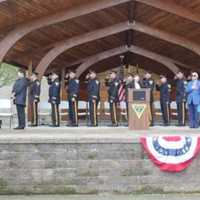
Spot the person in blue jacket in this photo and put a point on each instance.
(19, 94)
(193, 100)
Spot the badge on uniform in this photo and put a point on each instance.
(57, 83)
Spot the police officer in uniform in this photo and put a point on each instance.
(73, 92)
(113, 86)
(164, 89)
(19, 93)
(54, 99)
(93, 96)
(180, 84)
(34, 98)
(149, 83)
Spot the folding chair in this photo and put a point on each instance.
(6, 110)
(44, 110)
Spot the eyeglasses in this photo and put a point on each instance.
(193, 75)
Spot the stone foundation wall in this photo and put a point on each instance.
(87, 168)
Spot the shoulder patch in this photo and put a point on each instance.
(77, 81)
(97, 82)
(169, 86)
(151, 82)
(185, 83)
(116, 83)
(38, 83)
(57, 83)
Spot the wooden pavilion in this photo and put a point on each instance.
(55, 35)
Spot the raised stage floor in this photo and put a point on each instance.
(86, 134)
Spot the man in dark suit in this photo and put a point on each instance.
(19, 93)
(93, 97)
(165, 88)
(34, 98)
(54, 99)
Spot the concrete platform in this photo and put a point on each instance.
(87, 134)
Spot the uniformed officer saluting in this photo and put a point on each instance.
(180, 97)
(93, 96)
(54, 99)
(164, 89)
(34, 98)
(73, 92)
(19, 93)
(148, 83)
(113, 86)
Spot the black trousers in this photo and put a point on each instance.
(21, 116)
(181, 113)
(34, 113)
(113, 113)
(55, 114)
(93, 104)
(165, 109)
(73, 112)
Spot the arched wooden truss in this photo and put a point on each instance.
(57, 48)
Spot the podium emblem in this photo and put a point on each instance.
(139, 109)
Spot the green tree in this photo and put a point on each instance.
(8, 74)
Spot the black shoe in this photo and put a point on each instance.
(113, 125)
(19, 128)
(92, 125)
(165, 124)
(33, 125)
(180, 125)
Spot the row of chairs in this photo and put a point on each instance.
(7, 109)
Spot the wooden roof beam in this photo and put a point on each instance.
(63, 46)
(23, 29)
(120, 50)
(173, 8)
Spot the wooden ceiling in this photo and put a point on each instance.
(37, 43)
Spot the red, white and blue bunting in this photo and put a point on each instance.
(171, 153)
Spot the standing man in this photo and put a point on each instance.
(73, 92)
(54, 99)
(193, 100)
(149, 83)
(34, 98)
(113, 86)
(93, 96)
(19, 93)
(180, 97)
(165, 89)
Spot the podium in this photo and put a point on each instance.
(139, 109)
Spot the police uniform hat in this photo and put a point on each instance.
(35, 73)
(92, 72)
(72, 71)
(162, 76)
(22, 71)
